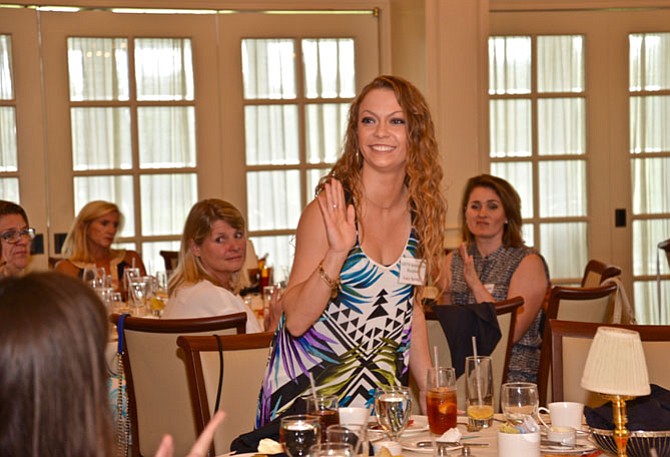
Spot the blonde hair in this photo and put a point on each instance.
(423, 176)
(197, 228)
(75, 246)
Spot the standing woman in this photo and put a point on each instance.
(353, 317)
(15, 238)
(89, 243)
(494, 264)
(209, 277)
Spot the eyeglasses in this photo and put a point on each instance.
(13, 236)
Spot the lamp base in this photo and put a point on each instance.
(621, 433)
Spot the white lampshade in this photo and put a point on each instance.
(616, 364)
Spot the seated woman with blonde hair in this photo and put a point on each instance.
(208, 277)
(89, 243)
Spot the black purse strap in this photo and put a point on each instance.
(218, 389)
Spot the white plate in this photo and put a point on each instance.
(418, 424)
(589, 447)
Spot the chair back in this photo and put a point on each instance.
(156, 379)
(570, 344)
(170, 258)
(244, 358)
(665, 246)
(596, 272)
(506, 313)
(579, 304)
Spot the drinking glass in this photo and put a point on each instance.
(298, 433)
(479, 392)
(128, 275)
(519, 400)
(140, 288)
(159, 295)
(393, 405)
(352, 434)
(441, 403)
(332, 450)
(325, 408)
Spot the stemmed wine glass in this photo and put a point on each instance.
(393, 405)
(298, 433)
(519, 400)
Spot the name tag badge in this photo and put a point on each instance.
(490, 287)
(412, 271)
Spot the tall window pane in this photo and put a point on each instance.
(649, 72)
(538, 111)
(149, 171)
(6, 81)
(293, 131)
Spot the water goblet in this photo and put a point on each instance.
(393, 405)
(352, 434)
(298, 433)
(519, 400)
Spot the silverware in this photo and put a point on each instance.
(428, 444)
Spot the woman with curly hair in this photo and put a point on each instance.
(353, 318)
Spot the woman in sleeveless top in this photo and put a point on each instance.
(89, 244)
(352, 317)
(493, 264)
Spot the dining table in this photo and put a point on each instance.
(483, 443)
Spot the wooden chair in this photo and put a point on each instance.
(588, 304)
(156, 379)
(500, 357)
(570, 343)
(596, 272)
(171, 258)
(244, 361)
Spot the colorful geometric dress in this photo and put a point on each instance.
(360, 342)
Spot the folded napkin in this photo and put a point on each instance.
(248, 442)
(648, 413)
(461, 322)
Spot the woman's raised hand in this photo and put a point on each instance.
(338, 217)
(201, 446)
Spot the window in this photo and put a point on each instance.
(9, 176)
(293, 130)
(538, 141)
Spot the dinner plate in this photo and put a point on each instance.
(584, 448)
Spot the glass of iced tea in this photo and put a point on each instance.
(325, 408)
(441, 401)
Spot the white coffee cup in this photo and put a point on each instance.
(518, 444)
(394, 447)
(353, 415)
(565, 413)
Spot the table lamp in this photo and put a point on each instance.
(616, 369)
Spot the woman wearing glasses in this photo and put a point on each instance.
(15, 238)
(89, 243)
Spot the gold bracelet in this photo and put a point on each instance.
(334, 284)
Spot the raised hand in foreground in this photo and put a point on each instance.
(201, 446)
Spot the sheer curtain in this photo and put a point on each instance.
(9, 186)
(649, 73)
